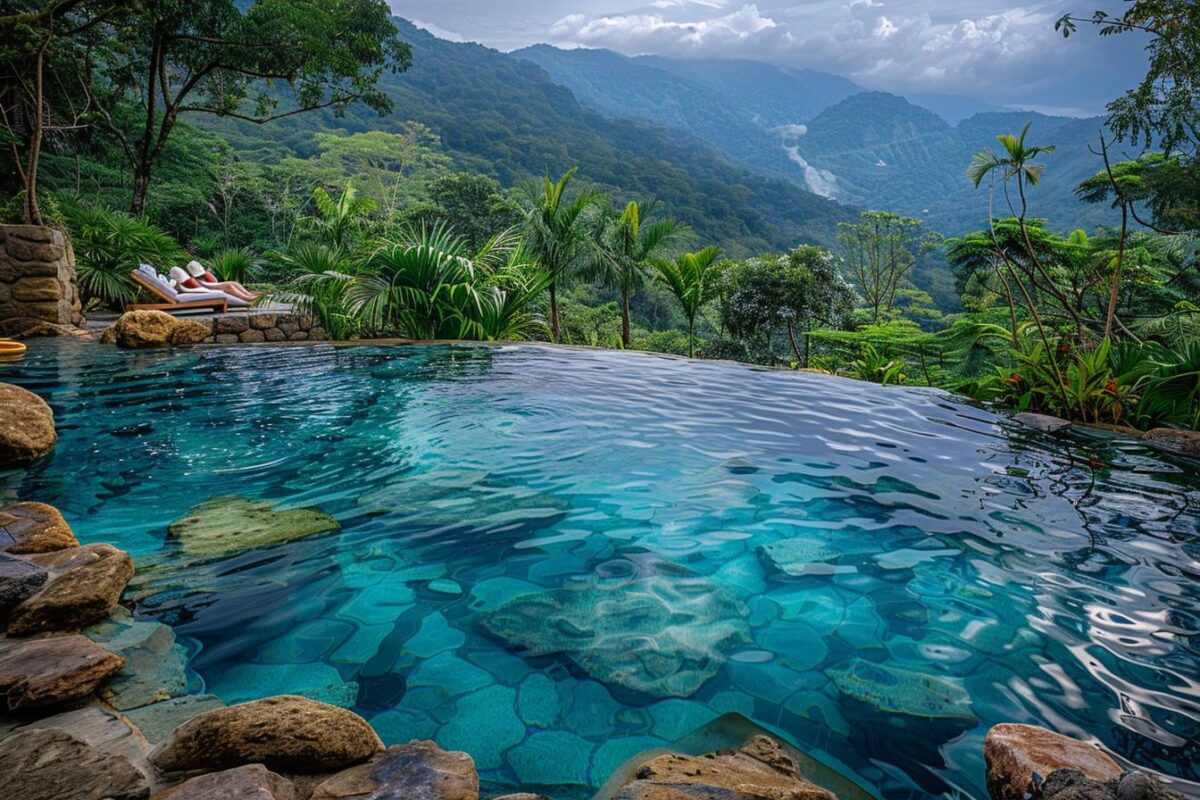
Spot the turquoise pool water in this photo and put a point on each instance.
(555, 559)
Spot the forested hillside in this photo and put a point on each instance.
(885, 152)
(505, 117)
(868, 149)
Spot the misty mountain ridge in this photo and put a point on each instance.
(862, 148)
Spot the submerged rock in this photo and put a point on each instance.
(136, 330)
(648, 625)
(229, 524)
(251, 782)
(759, 770)
(48, 671)
(286, 733)
(158, 720)
(451, 497)
(26, 427)
(415, 770)
(87, 583)
(34, 528)
(51, 764)
(1015, 752)
(155, 666)
(797, 556)
(901, 691)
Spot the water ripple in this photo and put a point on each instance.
(1055, 579)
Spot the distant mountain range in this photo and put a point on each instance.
(504, 116)
(865, 149)
(754, 157)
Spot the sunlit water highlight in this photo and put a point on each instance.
(877, 574)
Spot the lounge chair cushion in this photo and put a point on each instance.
(150, 274)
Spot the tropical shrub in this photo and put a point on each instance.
(426, 284)
(235, 264)
(320, 286)
(674, 342)
(109, 245)
(876, 367)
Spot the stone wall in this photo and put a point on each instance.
(38, 292)
(263, 327)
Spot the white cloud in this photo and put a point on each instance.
(655, 32)
(1001, 51)
(439, 31)
(893, 45)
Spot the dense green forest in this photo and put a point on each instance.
(394, 184)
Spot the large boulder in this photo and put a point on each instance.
(251, 782)
(34, 528)
(86, 586)
(26, 427)
(47, 671)
(665, 631)
(138, 330)
(103, 729)
(51, 764)
(1071, 784)
(19, 580)
(759, 770)
(286, 733)
(228, 524)
(1015, 752)
(415, 770)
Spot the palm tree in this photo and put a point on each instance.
(627, 248)
(557, 235)
(338, 220)
(690, 277)
(1016, 163)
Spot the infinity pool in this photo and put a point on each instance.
(555, 559)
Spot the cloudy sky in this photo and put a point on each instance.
(998, 51)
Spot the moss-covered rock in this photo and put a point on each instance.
(26, 427)
(229, 524)
(138, 330)
(34, 528)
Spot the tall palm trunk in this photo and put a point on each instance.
(1114, 291)
(626, 333)
(555, 330)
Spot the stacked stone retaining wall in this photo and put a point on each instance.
(39, 295)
